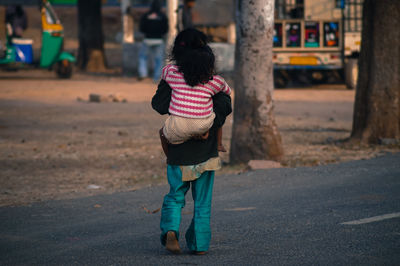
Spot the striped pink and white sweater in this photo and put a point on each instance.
(188, 101)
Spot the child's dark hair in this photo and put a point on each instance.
(193, 56)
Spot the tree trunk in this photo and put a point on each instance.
(254, 134)
(377, 104)
(91, 55)
(172, 7)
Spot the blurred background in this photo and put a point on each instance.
(314, 41)
(81, 129)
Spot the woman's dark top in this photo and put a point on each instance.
(193, 151)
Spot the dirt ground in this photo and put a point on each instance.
(53, 146)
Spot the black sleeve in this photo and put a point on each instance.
(160, 101)
(222, 108)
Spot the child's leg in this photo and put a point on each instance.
(164, 142)
(219, 137)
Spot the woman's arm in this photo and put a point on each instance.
(222, 108)
(160, 101)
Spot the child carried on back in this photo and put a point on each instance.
(193, 82)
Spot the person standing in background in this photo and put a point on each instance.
(154, 25)
(17, 19)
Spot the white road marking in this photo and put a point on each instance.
(373, 219)
(240, 209)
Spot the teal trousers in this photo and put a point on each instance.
(198, 235)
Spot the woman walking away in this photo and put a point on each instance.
(154, 25)
(193, 162)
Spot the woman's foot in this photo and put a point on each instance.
(172, 244)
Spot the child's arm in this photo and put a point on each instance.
(226, 89)
(223, 86)
(166, 71)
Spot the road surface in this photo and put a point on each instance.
(339, 214)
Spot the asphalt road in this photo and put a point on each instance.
(297, 216)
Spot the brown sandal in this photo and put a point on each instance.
(172, 244)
